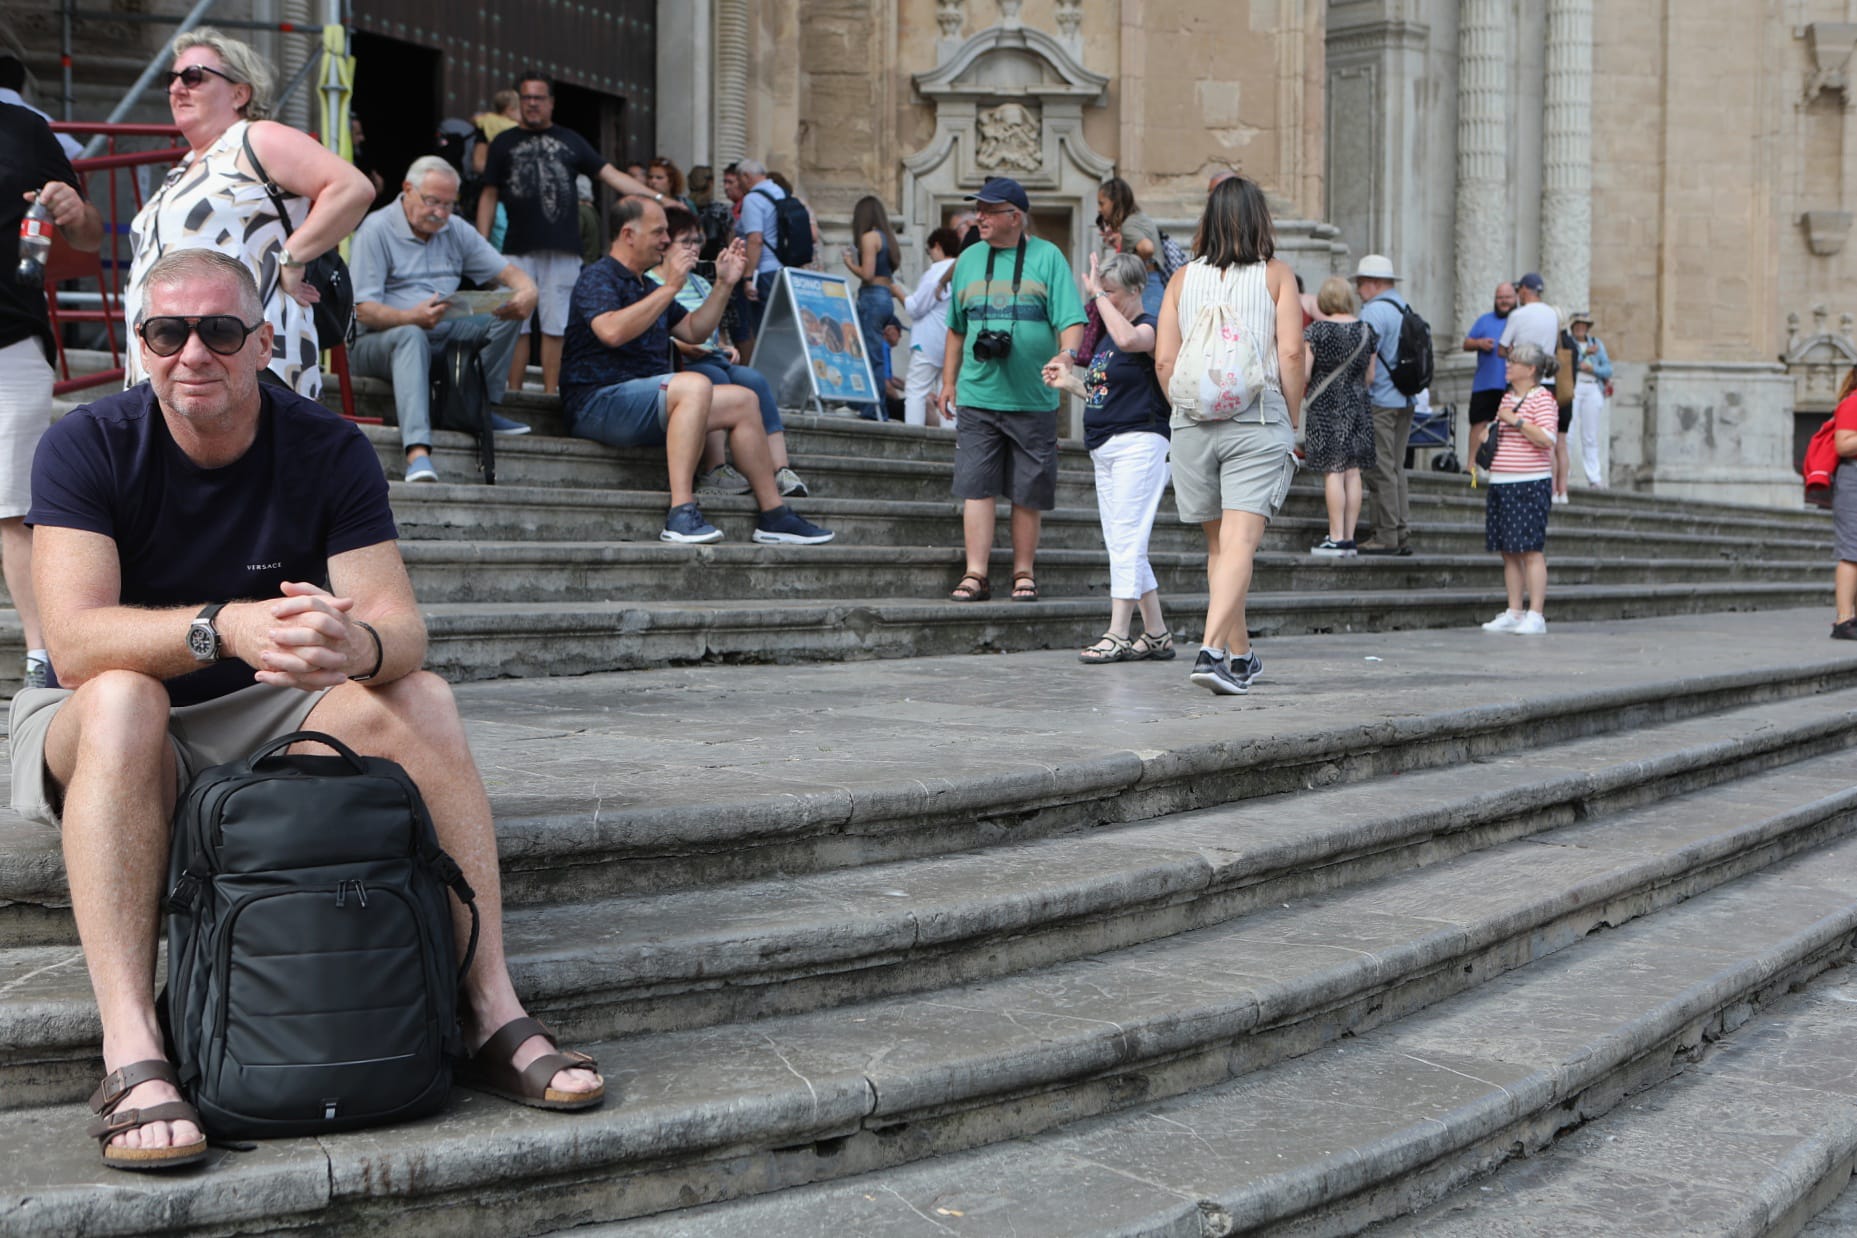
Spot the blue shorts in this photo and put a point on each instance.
(629, 414)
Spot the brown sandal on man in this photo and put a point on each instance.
(112, 1121)
(973, 588)
(491, 1070)
(1024, 588)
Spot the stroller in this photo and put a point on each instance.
(1432, 429)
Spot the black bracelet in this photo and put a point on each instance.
(380, 652)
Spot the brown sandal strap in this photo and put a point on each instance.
(112, 1124)
(502, 1045)
(537, 1075)
(125, 1079)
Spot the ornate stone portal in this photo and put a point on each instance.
(1009, 102)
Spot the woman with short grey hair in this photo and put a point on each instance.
(1521, 489)
(214, 198)
(1125, 427)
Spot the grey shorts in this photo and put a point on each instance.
(1237, 465)
(1014, 454)
(1844, 511)
(202, 736)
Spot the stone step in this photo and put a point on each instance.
(486, 640)
(533, 513)
(1756, 1138)
(1366, 1126)
(726, 952)
(551, 572)
(1309, 1021)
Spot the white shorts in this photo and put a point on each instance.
(25, 412)
(554, 274)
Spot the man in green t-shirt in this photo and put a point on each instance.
(1015, 307)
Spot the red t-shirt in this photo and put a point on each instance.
(1514, 453)
(1846, 416)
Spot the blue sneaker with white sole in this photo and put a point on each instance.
(685, 524)
(785, 527)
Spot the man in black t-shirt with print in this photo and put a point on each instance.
(32, 165)
(530, 169)
(217, 567)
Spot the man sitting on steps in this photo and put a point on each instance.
(409, 258)
(217, 565)
(616, 387)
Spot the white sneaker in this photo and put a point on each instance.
(1534, 623)
(1507, 621)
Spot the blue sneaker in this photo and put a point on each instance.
(784, 526)
(421, 470)
(503, 425)
(685, 524)
(1245, 671)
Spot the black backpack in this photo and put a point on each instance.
(312, 983)
(460, 400)
(456, 143)
(792, 239)
(1412, 364)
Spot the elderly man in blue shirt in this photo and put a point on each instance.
(1392, 411)
(409, 258)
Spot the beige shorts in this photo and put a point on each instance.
(1236, 465)
(204, 735)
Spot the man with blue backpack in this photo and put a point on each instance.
(1404, 370)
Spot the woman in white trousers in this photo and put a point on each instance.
(1592, 371)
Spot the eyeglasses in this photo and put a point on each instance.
(223, 334)
(1000, 209)
(694, 242)
(535, 98)
(194, 74)
(439, 204)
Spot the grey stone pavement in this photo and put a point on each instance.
(645, 742)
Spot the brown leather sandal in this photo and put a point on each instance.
(973, 587)
(112, 1121)
(490, 1070)
(1024, 588)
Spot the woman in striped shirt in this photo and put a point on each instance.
(1521, 489)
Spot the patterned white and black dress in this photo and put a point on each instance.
(210, 201)
(1338, 432)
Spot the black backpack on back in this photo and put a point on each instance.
(792, 240)
(460, 400)
(312, 982)
(1412, 365)
(456, 143)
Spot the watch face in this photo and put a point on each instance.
(201, 640)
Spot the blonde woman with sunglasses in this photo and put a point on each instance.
(219, 91)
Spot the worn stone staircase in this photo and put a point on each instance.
(871, 943)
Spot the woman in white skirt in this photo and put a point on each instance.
(1232, 464)
(1125, 418)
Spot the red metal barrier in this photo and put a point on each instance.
(109, 266)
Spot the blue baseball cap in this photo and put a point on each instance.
(1003, 189)
(1531, 281)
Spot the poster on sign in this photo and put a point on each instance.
(810, 348)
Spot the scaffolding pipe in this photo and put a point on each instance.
(149, 74)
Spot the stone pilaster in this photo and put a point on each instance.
(731, 82)
(1483, 225)
(1567, 156)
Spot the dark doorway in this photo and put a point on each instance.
(594, 116)
(397, 100)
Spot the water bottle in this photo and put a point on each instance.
(35, 244)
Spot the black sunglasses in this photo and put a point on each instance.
(194, 74)
(221, 333)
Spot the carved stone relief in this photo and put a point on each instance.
(1011, 139)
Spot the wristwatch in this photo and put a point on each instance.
(203, 637)
(284, 258)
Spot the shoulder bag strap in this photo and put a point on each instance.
(271, 187)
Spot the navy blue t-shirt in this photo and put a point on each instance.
(588, 365)
(310, 487)
(1121, 393)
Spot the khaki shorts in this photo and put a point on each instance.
(204, 735)
(1236, 465)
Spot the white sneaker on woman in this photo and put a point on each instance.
(1534, 623)
(1507, 621)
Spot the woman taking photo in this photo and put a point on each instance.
(1338, 442)
(1231, 475)
(219, 91)
(1125, 427)
(1134, 233)
(874, 261)
(1521, 489)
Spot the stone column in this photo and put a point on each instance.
(1567, 156)
(1483, 223)
(731, 84)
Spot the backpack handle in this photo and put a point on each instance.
(307, 737)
